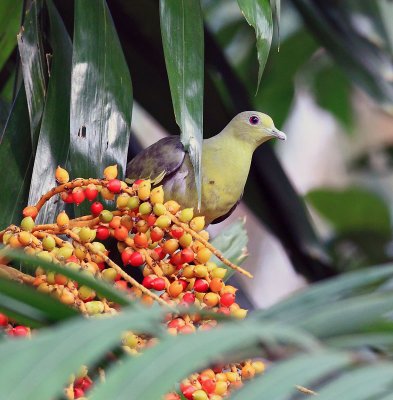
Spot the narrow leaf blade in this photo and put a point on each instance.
(182, 37)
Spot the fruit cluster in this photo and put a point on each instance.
(168, 243)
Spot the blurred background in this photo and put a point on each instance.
(319, 203)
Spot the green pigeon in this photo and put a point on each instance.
(226, 160)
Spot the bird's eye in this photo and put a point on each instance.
(254, 120)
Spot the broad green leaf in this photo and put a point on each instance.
(183, 42)
(15, 153)
(352, 209)
(99, 286)
(33, 67)
(30, 307)
(232, 242)
(39, 368)
(10, 14)
(365, 383)
(259, 15)
(101, 94)
(311, 299)
(54, 139)
(280, 380)
(155, 372)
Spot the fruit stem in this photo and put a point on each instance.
(118, 269)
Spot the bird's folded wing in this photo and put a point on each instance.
(158, 161)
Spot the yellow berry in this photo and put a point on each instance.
(62, 220)
(157, 195)
(110, 172)
(61, 175)
(197, 223)
(144, 190)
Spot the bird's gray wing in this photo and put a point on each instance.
(159, 160)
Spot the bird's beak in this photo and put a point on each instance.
(274, 132)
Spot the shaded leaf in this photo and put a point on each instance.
(18, 159)
(10, 13)
(276, 10)
(54, 139)
(99, 286)
(33, 68)
(101, 94)
(232, 242)
(362, 384)
(30, 307)
(78, 342)
(311, 299)
(259, 15)
(351, 209)
(183, 42)
(280, 380)
(154, 373)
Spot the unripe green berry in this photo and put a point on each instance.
(94, 307)
(145, 208)
(27, 224)
(186, 215)
(105, 216)
(122, 201)
(85, 234)
(133, 202)
(159, 209)
(163, 221)
(109, 274)
(48, 243)
(64, 253)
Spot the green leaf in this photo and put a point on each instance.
(352, 209)
(183, 42)
(58, 352)
(280, 380)
(30, 307)
(333, 93)
(232, 242)
(54, 140)
(374, 340)
(99, 286)
(101, 94)
(259, 15)
(155, 372)
(10, 12)
(362, 384)
(33, 68)
(276, 10)
(15, 153)
(311, 299)
(347, 316)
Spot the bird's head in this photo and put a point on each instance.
(255, 127)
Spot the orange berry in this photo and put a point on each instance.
(175, 288)
(121, 233)
(216, 284)
(30, 211)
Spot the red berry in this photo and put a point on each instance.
(72, 259)
(147, 281)
(176, 259)
(184, 283)
(126, 255)
(177, 232)
(156, 234)
(189, 298)
(78, 196)
(67, 197)
(114, 186)
(160, 252)
(96, 208)
(91, 192)
(3, 320)
(208, 385)
(78, 392)
(227, 299)
(187, 255)
(101, 266)
(158, 284)
(188, 391)
(102, 233)
(151, 219)
(19, 330)
(136, 259)
(201, 286)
